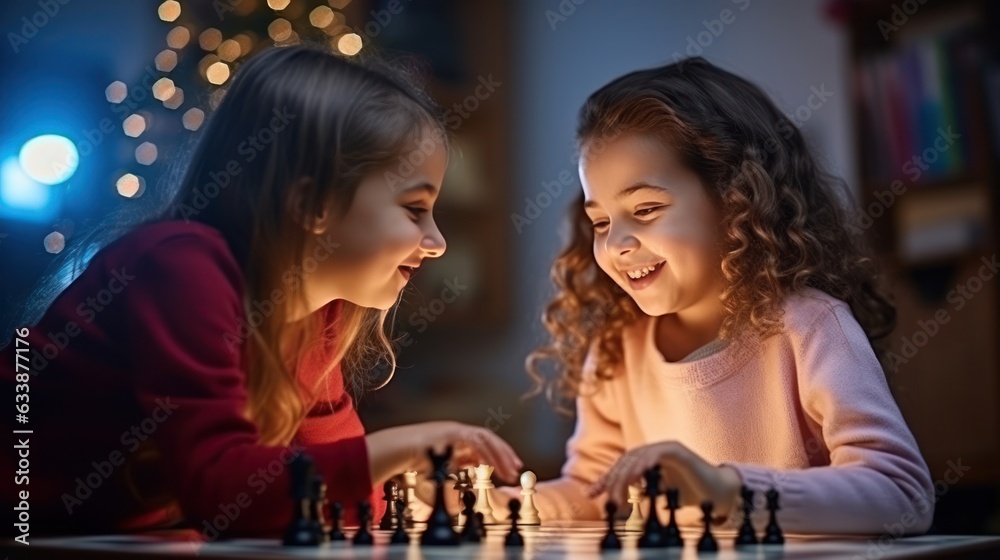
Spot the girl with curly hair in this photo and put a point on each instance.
(716, 316)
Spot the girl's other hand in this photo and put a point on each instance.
(404, 448)
(696, 479)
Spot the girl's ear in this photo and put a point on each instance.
(315, 220)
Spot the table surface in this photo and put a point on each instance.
(554, 540)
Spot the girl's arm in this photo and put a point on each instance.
(877, 481)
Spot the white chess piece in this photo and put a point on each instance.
(635, 521)
(529, 513)
(483, 485)
(410, 492)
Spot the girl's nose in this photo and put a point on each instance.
(433, 244)
(620, 242)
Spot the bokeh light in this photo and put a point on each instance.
(49, 159)
(134, 125)
(116, 91)
(169, 10)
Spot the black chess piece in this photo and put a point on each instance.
(610, 540)
(514, 537)
(399, 536)
(336, 519)
(303, 530)
(652, 533)
(746, 536)
(318, 505)
(671, 532)
(772, 533)
(439, 531)
(707, 541)
(473, 529)
(364, 536)
(389, 490)
(462, 484)
(482, 524)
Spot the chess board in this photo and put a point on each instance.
(554, 540)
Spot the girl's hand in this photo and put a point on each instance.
(695, 478)
(404, 448)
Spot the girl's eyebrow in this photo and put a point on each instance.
(638, 187)
(630, 190)
(429, 188)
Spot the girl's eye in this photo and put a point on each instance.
(648, 211)
(598, 226)
(417, 211)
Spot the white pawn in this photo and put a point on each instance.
(483, 485)
(635, 521)
(529, 513)
(409, 493)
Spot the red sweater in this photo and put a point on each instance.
(137, 396)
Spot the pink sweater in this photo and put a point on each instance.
(807, 411)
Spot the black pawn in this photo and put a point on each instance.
(364, 537)
(399, 536)
(746, 536)
(514, 537)
(318, 506)
(772, 534)
(439, 531)
(482, 523)
(473, 530)
(610, 540)
(707, 542)
(652, 534)
(672, 533)
(303, 530)
(336, 518)
(389, 497)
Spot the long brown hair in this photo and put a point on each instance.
(320, 123)
(783, 218)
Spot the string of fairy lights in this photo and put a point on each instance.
(205, 43)
(242, 28)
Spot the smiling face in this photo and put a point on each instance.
(656, 231)
(375, 247)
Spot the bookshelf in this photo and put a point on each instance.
(926, 87)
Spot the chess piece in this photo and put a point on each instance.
(672, 533)
(304, 530)
(389, 490)
(318, 505)
(482, 524)
(514, 537)
(610, 540)
(707, 541)
(472, 531)
(746, 536)
(529, 513)
(439, 531)
(337, 517)
(410, 495)
(483, 485)
(635, 521)
(462, 484)
(363, 536)
(652, 535)
(399, 536)
(772, 533)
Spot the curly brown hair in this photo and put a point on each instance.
(783, 220)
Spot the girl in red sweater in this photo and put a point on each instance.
(201, 349)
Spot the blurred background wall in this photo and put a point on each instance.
(869, 83)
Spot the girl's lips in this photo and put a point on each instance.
(641, 283)
(407, 271)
